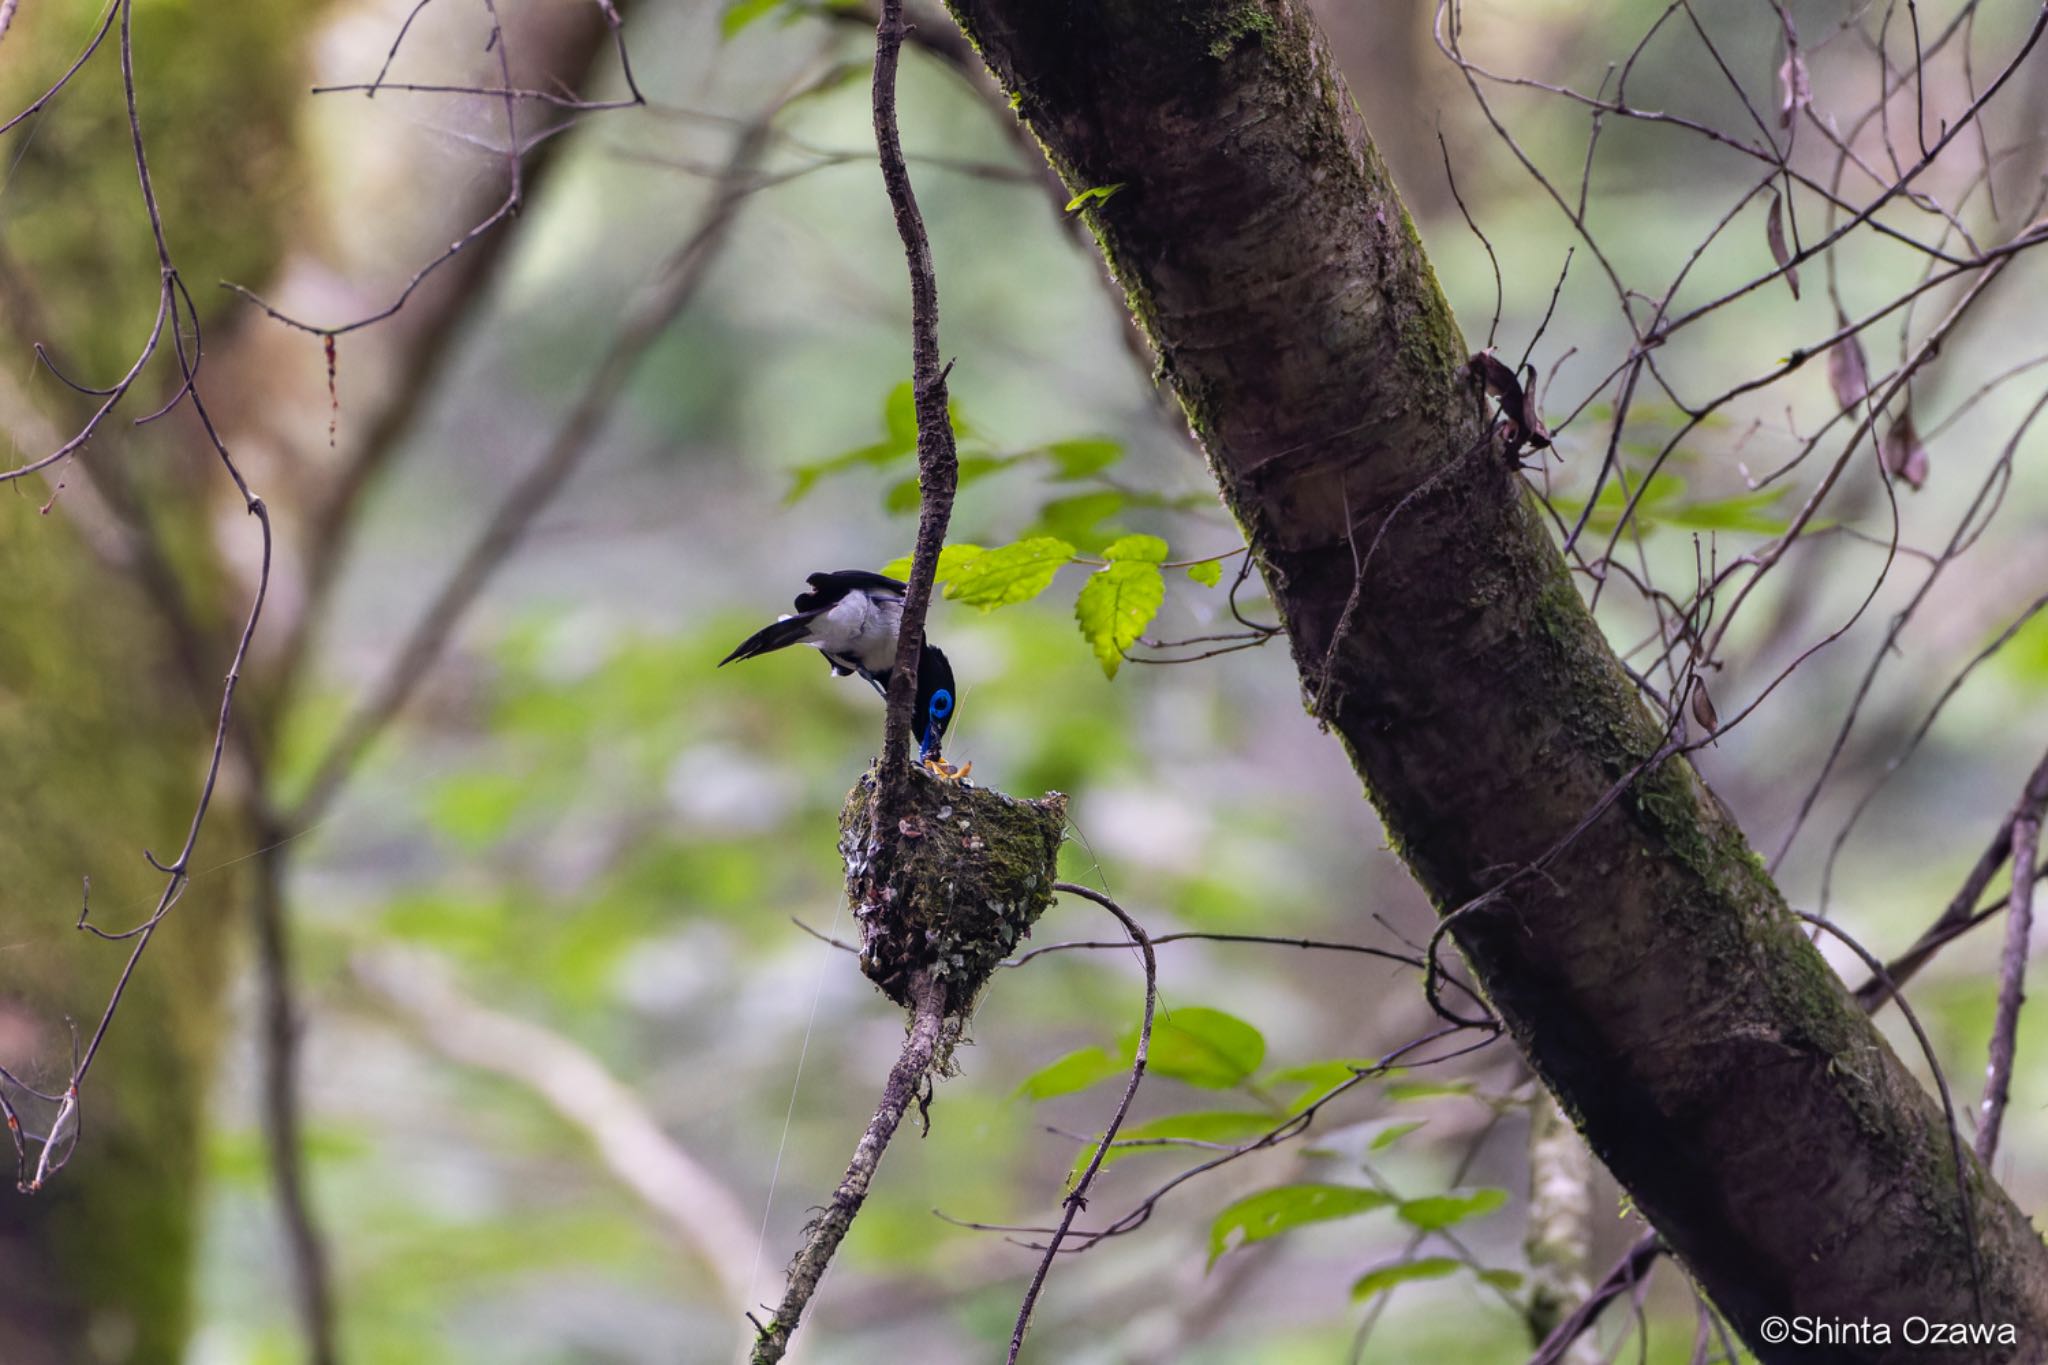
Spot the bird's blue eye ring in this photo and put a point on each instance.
(942, 702)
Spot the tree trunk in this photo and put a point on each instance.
(1652, 972)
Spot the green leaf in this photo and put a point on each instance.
(1746, 512)
(1208, 573)
(1229, 1126)
(1507, 1281)
(1272, 1212)
(1074, 1072)
(1401, 1272)
(1075, 518)
(905, 495)
(1012, 574)
(1318, 1079)
(1426, 1090)
(1093, 198)
(1393, 1133)
(1137, 549)
(1116, 606)
(899, 414)
(1203, 1047)
(741, 13)
(951, 558)
(1080, 458)
(805, 476)
(1434, 1212)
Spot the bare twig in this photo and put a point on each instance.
(906, 1080)
(937, 463)
(2012, 980)
(672, 292)
(1961, 911)
(1077, 1198)
(1627, 1273)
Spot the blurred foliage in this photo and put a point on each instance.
(216, 99)
(599, 832)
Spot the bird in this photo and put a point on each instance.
(852, 617)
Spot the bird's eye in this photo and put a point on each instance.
(942, 702)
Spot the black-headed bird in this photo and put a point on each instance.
(852, 617)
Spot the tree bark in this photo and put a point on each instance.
(1652, 972)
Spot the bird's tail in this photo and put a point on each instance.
(791, 630)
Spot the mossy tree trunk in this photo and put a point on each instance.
(1653, 974)
(105, 709)
(105, 704)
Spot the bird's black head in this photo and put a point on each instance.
(937, 700)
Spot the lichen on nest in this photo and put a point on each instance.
(972, 872)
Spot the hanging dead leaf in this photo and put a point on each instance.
(1848, 368)
(1903, 454)
(1795, 86)
(1703, 708)
(1774, 231)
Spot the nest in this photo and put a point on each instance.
(972, 871)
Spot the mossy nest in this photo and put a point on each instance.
(973, 871)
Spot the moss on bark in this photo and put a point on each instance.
(1652, 972)
(974, 870)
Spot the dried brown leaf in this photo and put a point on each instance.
(1774, 231)
(1703, 707)
(1848, 369)
(1905, 457)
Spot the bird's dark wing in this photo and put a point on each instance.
(791, 630)
(827, 588)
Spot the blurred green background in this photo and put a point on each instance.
(581, 825)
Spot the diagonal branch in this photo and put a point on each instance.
(906, 1080)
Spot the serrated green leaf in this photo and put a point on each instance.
(1393, 1133)
(1434, 1212)
(741, 13)
(1401, 1272)
(1015, 573)
(1203, 1047)
(1074, 1072)
(951, 558)
(1272, 1212)
(1136, 549)
(1080, 458)
(1093, 198)
(1229, 1126)
(1115, 607)
(1208, 573)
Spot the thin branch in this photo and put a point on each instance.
(2012, 980)
(906, 1081)
(937, 463)
(674, 289)
(1961, 911)
(1077, 1199)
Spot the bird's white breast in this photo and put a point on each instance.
(860, 627)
